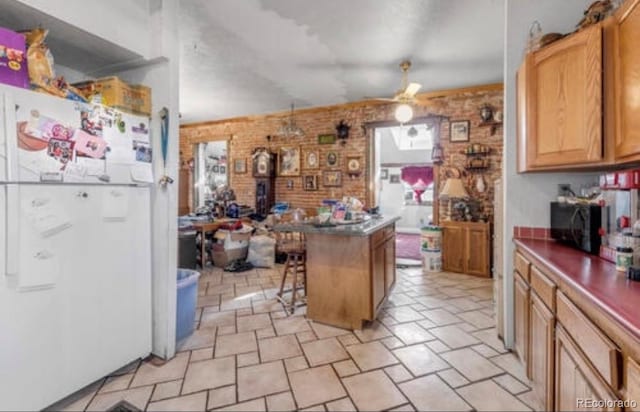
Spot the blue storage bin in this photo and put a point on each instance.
(187, 290)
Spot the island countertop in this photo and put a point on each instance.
(358, 229)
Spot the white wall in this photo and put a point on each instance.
(163, 79)
(123, 22)
(527, 196)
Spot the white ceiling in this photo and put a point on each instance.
(244, 57)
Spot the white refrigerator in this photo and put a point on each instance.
(75, 247)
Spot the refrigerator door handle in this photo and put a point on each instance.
(13, 229)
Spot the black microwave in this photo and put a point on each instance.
(577, 225)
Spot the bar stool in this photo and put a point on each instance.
(294, 245)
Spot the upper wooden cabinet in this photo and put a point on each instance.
(626, 61)
(559, 98)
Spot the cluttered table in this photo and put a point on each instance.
(203, 228)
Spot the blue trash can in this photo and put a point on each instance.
(187, 290)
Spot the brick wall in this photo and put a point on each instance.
(250, 132)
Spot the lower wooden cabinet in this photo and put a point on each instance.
(390, 263)
(632, 381)
(541, 351)
(577, 385)
(383, 265)
(521, 312)
(574, 360)
(466, 248)
(453, 250)
(377, 275)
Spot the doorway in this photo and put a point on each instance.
(405, 181)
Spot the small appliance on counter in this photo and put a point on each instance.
(577, 224)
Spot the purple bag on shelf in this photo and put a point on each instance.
(13, 59)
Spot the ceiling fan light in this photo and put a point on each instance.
(403, 113)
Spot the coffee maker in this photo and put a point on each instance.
(620, 220)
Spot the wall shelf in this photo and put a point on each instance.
(476, 168)
(492, 124)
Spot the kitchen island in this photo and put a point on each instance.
(350, 269)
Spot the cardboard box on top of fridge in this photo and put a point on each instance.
(13, 59)
(113, 92)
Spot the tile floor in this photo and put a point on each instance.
(433, 347)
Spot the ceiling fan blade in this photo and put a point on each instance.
(412, 89)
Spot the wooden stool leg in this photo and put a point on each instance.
(304, 265)
(284, 275)
(294, 286)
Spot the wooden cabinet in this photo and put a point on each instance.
(626, 61)
(184, 183)
(521, 313)
(477, 249)
(632, 381)
(378, 269)
(453, 247)
(576, 358)
(559, 100)
(575, 381)
(349, 277)
(466, 248)
(390, 263)
(541, 351)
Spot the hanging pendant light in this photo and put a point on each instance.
(437, 157)
(289, 127)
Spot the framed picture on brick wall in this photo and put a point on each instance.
(310, 182)
(311, 159)
(240, 166)
(332, 178)
(289, 161)
(459, 131)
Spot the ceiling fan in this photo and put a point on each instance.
(407, 91)
(406, 96)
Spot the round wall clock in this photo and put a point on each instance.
(353, 165)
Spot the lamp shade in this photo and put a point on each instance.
(453, 187)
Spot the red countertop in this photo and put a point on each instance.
(592, 276)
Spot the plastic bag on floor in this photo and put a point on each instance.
(262, 250)
(238, 265)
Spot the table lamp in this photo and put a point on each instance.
(453, 188)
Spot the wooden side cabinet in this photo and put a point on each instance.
(559, 99)
(467, 248)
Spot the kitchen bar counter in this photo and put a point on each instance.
(350, 270)
(593, 278)
(365, 228)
